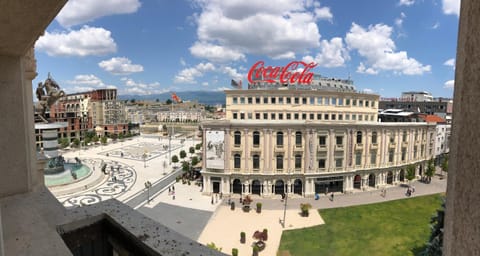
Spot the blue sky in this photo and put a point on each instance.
(154, 46)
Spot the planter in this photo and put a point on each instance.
(242, 237)
(246, 208)
(259, 207)
(232, 206)
(234, 252)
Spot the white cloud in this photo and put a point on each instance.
(436, 25)
(367, 90)
(182, 62)
(188, 75)
(399, 21)
(451, 7)
(450, 84)
(278, 29)
(232, 73)
(84, 42)
(332, 54)
(215, 53)
(83, 83)
(205, 84)
(120, 66)
(140, 88)
(221, 89)
(378, 49)
(77, 12)
(450, 63)
(406, 2)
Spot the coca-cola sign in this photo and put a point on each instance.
(284, 75)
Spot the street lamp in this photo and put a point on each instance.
(285, 206)
(148, 185)
(144, 156)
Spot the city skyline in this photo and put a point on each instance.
(151, 47)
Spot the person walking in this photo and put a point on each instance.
(332, 196)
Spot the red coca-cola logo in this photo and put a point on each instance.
(259, 73)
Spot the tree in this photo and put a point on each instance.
(175, 159)
(168, 102)
(76, 142)
(214, 247)
(157, 100)
(104, 140)
(132, 101)
(95, 138)
(87, 140)
(435, 242)
(430, 169)
(183, 154)
(410, 172)
(444, 165)
(195, 161)
(198, 146)
(191, 150)
(120, 136)
(185, 166)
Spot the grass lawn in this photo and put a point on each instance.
(398, 227)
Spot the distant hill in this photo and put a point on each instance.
(204, 97)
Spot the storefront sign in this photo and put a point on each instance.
(284, 75)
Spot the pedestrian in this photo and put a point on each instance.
(332, 196)
(94, 168)
(169, 189)
(173, 188)
(173, 197)
(413, 189)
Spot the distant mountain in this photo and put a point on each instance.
(204, 97)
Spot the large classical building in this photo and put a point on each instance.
(307, 140)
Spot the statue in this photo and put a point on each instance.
(47, 94)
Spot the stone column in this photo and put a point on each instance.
(462, 230)
(266, 153)
(227, 151)
(246, 151)
(288, 151)
(19, 172)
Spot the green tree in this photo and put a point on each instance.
(191, 150)
(430, 169)
(185, 166)
(174, 159)
(444, 164)
(87, 140)
(183, 154)
(198, 146)
(410, 172)
(121, 136)
(104, 140)
(76, 142)
(435, 242)
(168, 101)
(64, 142)
(214, 247)
(95, 139)
(195, 161)
(157, 100)
(132, 101)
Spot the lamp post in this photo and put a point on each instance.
(148, 185)
(144, 156)
(285, 206)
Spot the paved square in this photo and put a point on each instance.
(136, 151)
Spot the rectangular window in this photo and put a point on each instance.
(235, 115)
(257, 100)
(289, 116)
(265, 100)
(334, 101)
(319, 116)
(390, 156)
(325, 117)
(304, 116)
(339, 162)
(296, 116)
(265, 116)
(273, 100)
(354, 117)
(242, 100)
(280, 100)
(347, 116)
(242, 116)
(312, 101)
(297, 100)
(358, 158)
(319, 100)
(327, 101)
(339, 140)
(272, 116)
(347, 102)
(373, 104)
(298, 161)
(257, 115)
(249, 115)
(289, 100)
(280, 116)
(354, 102)
(366, 103)
(322, 141)
(404, 154)
(334, 117)
(340, 117)
(250, 100)
(360, 103)
(373, 157)
(235, 100)
(360, 117)
(340, 101)
(304, 101)
(312, 116)
(321, 163)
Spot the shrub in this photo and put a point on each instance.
(259, 207)
(242, 237)
(234, 252)
(305, 209)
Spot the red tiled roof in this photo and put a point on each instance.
(433, 119)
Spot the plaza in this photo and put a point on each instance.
(186, 209)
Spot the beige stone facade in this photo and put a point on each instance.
(326, 149)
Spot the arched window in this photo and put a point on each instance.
(256, 161)
(298, 161)
(279, 162)
(359, 137)
(236, 161)
(237, 138)
(374, 137)
(256, 138)
(279, 139)
(298, 138)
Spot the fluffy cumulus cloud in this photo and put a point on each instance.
(188, 75)
(86, 82)
(278, 29)
(84, 42)
(81, 11)
(120, 66)
(406, 2)
(332, 54)
(376, 46)
(450, 84)
(140, 88)
(451, 7)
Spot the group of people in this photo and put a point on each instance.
(171, 191)
(410, 191)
